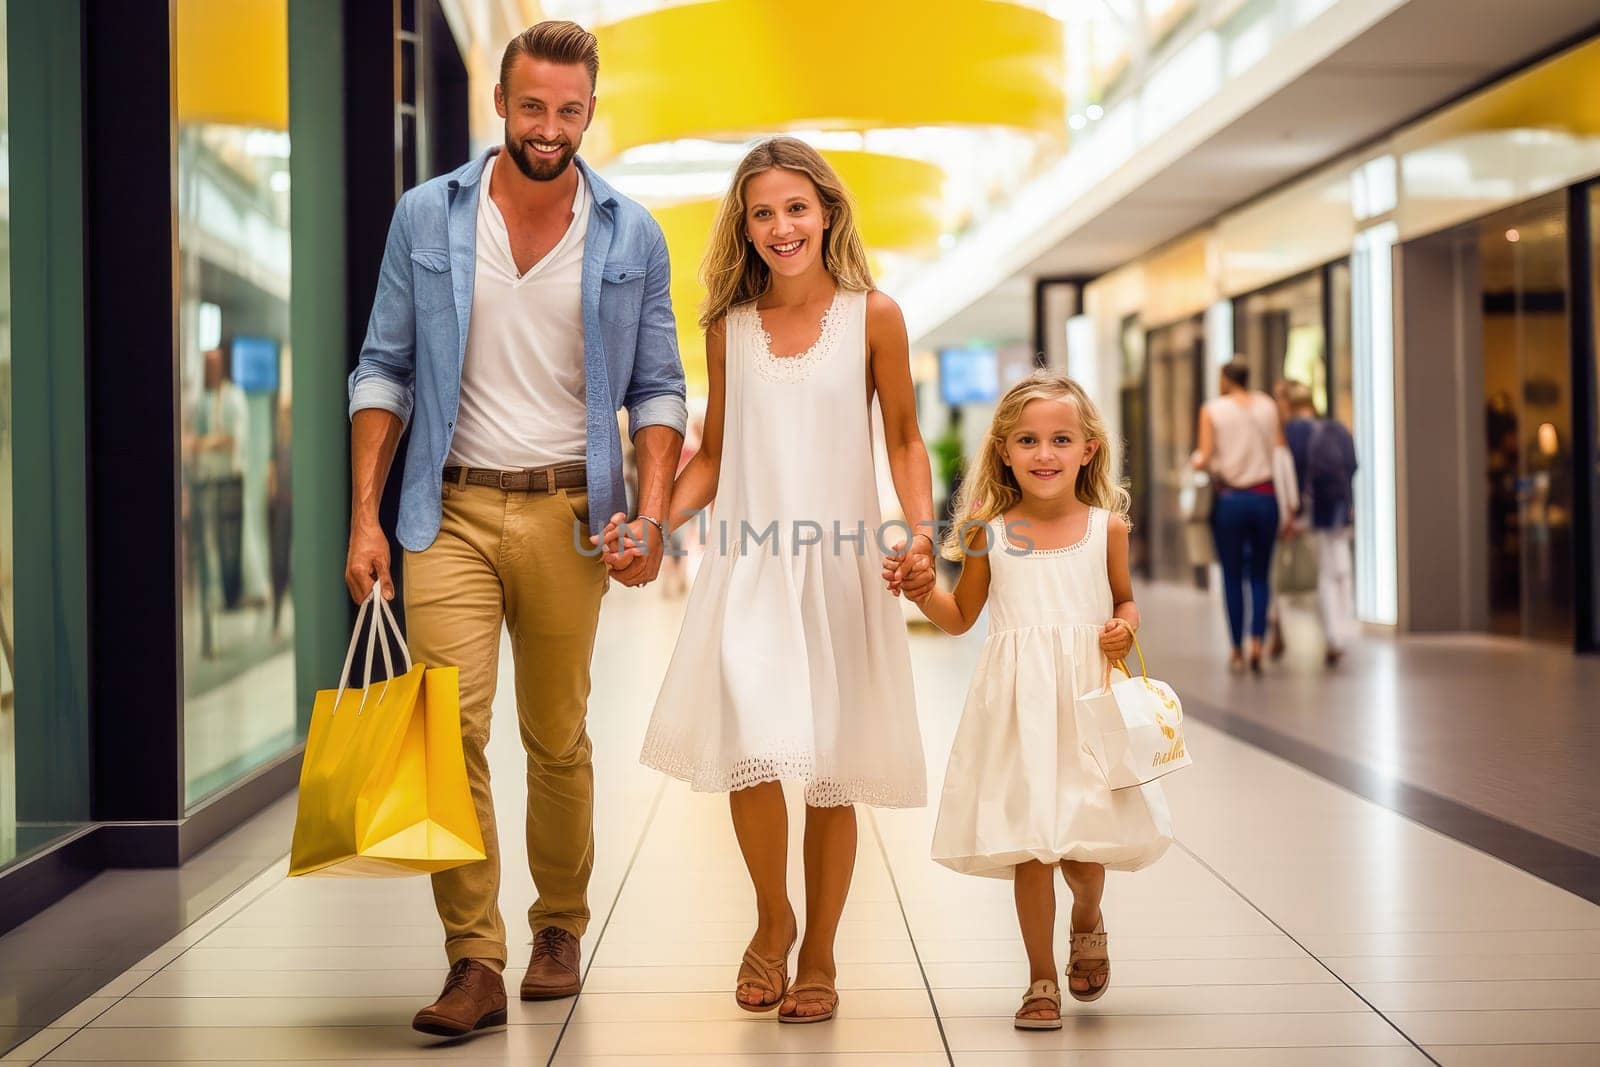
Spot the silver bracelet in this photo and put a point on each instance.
(662, 530)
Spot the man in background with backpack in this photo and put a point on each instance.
(1325, 465)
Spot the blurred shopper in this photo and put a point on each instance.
(1239, 431)
(1325, 468)
(1275, 643)
(280, 508)
(218, 423)
(793, 661)
(510, 453)
(1043, 537)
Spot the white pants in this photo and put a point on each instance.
(1336, 587)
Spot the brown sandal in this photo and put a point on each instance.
(768, 976)
(1042, 994)
(827, 995)
(1090, 957)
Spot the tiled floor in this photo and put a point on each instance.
(1295, 923)
(1499, 725)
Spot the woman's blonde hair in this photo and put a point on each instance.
(990, 488)
(733, 273)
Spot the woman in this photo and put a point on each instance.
(1239, 432)
(793, 661)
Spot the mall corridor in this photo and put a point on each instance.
(1306, 293)
(1293, 923)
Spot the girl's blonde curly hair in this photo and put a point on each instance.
(990, 488)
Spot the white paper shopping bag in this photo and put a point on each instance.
(1135, 728)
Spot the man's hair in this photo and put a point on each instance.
(1299, 394)
(554, 42)
(1237, 371)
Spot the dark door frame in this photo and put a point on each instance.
(1581, 320)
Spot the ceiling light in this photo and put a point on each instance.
(1513, 236)
(1077, 122)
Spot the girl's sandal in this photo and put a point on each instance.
(823, 994)
(769, 977)
(1090, 960)
(1040, 995)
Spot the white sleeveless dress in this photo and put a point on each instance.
(1021, 785)
(793, 662)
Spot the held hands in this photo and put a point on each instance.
(909, 569)
(1116, 639)
(632, 550)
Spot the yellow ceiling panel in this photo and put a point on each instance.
(898, 203)
(1562, 94)
(737, 67)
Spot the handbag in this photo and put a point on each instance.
(1196, 499)
(383, 788)
(1285, 484)
(1135, 727)
(1295, 565)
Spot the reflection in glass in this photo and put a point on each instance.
(235, 394)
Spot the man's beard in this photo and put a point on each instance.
(536, 169)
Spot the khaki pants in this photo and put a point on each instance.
(510, 556)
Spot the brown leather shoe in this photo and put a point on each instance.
(474, 998)
(553, 971)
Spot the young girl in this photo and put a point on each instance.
(793, 661)
(1044, 537)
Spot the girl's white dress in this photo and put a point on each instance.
(1021, 784)
(793, 662)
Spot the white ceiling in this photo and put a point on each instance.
(1422, 55)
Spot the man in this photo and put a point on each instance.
(521, 303)
(1325, 466)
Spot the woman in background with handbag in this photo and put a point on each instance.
(1242, 446)
(1043, 538)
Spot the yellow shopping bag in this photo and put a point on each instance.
(383, 789)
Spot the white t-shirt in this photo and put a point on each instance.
(522, 385)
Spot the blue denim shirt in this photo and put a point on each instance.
(417, 336)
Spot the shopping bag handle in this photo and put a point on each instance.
(377, 637)
(394, 630)
(1122, 664)
(1144, 674)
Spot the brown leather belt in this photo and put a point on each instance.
(533, 480)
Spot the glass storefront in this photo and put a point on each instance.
(1133, 420)
(1279, 330)
(1341, 346)
(8, 687)
(235, 396)
(1593, 445)
(1299, 330)
(44, 734)
(1527, 418)
(1175, 361)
